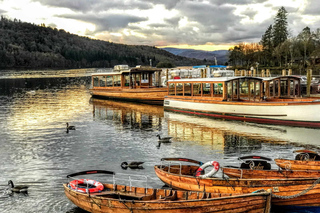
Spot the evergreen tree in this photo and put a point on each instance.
(280, 30)
(266, 42)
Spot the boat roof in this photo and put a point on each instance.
(132, 70)
(217, 79)
(281, 76)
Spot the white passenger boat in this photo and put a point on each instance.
(262, 100)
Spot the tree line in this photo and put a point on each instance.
(277, 49)
(26, 45)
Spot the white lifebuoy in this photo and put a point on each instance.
(215, 169)
(98, 187)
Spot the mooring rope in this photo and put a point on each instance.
(298, 194)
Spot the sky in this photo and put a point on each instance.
(194, 24)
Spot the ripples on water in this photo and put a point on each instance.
(37, 151)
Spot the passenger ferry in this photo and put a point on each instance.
(138, 84)
(270, 100)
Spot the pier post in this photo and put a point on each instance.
(290, 72)
(283, 72)
(268, 73)
(309, 76)
(167, 76)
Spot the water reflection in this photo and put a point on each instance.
(128, 115)
(234, 133)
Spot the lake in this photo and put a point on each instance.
(36, 150)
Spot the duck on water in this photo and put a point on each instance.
(132, 165)
(18, 188)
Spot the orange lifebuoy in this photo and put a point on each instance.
(215, 169)
(75, 185)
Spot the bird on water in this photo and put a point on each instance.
(132, 165)
(70, 127)
(164, 139)
(20, 188)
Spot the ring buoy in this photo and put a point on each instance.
(215, 169)
(98, 187)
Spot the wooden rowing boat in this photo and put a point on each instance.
(285, 192)
(120, 199)
(258, 167)
(304, 160)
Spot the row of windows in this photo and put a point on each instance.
(115, 81)
(107, 81)
(196, 89)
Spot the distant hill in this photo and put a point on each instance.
(29, 46)
(220, 55)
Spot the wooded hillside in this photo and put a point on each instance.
(26, 45)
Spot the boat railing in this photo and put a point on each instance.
(131, 178)
(169, 165)
(122, 179)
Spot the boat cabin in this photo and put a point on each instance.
(244, 88)
(125, 77)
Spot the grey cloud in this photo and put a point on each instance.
(96, 5)
(107, 22)
(169, 4)
(250, 13)
(312, 7)
(208, 15)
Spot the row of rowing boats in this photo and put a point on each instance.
(252, 187)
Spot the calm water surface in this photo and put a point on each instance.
(37, 151)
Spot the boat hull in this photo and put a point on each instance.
(294, 113)
(269, 174)
(259, 202)
(146, 95)
(298, 164)
(279, 187)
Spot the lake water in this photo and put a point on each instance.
(37, 151)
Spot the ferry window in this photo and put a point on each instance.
(172, 89)
(284, 88)
(257, 89)
(102, 81)
(206, 89)
(252, 85)
(244, 87)
(145, 78)
(117, 81)
(126, 80)
(229, 89)
(276, 86)
(187, 89)
(179, 88)
(218, 89)
(96, 81)
(292, 87)
(137, 80)
(196, 89)
(109, 81)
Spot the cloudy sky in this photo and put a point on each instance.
(198, 24)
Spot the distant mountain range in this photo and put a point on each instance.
(220, 55)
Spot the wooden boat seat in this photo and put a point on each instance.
(127, 195)
(256, 164)
(171, 196)
(307, 156)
